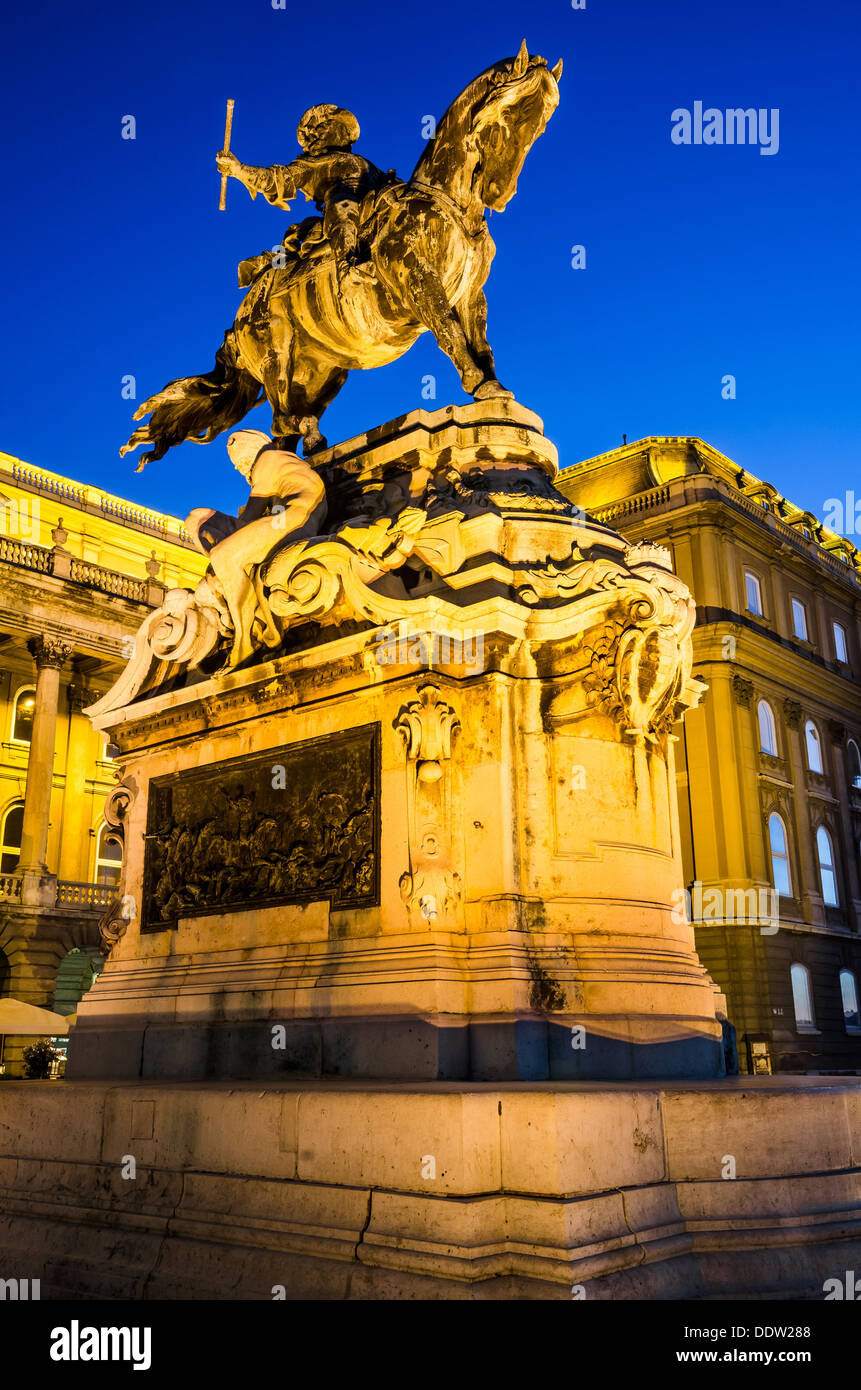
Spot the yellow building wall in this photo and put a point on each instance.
(83, 774)
(101, 536)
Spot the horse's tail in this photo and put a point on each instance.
(196, 407)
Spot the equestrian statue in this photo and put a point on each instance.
(387, 260)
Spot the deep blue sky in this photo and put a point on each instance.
(701, 261)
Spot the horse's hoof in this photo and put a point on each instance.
(491, 391)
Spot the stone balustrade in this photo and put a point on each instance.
(698, 488)
(93, 500)
(95, 895)
(91, 576)
(31, 557)
(69, 893)
(10, 888)
(109, 581)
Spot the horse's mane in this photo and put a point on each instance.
(454, 125)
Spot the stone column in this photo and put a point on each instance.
(49, 654)
(76, 841)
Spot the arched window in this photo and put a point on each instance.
(109, 859)
(767, 729)
(826, 867)
(814, 746)
(13, 825)
(22, 714)
(799, 619)
(849, 995)
(802, 997)
(753, 592)
(853, 758)
(839, 632)
(780, 876)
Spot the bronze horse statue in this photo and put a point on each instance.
(299, 332)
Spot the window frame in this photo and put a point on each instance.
(829, 867)
(842, 643)
(773, 752)
(810, 724)
(103, 862)
(16, 700)
(854, 778)
(781, 856)
(794, 605)
(798, 970)
(760, 611)
(852, 1028)
(11, 849)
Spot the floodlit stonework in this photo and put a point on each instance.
(399, 1000)
(522, 845)
(773, 750)
(79, 568)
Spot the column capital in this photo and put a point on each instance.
(742, 689)
(49, 651)
(79, 696)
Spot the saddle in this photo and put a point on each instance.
(298, 242)
(302, 240)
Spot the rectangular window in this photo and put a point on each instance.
(840, 642)
(799, 619)
(753, 593)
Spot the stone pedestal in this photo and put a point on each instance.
(433, 834)
(349, 1190)
(413, 872)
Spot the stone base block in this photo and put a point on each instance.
(338, 1190)
(462, 1048)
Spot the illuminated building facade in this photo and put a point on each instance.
(769, 765)
(79, 570)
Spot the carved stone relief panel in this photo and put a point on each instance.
(293, 824)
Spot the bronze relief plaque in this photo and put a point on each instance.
(293, 824)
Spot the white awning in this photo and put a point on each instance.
(19, 1018)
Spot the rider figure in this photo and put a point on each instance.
(327, 172)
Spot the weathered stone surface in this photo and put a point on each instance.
(342, 1190)
(521, 668)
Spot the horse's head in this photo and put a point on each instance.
(487, 132)
(521, 95)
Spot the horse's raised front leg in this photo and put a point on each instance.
(432, 308)
(474, 316)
